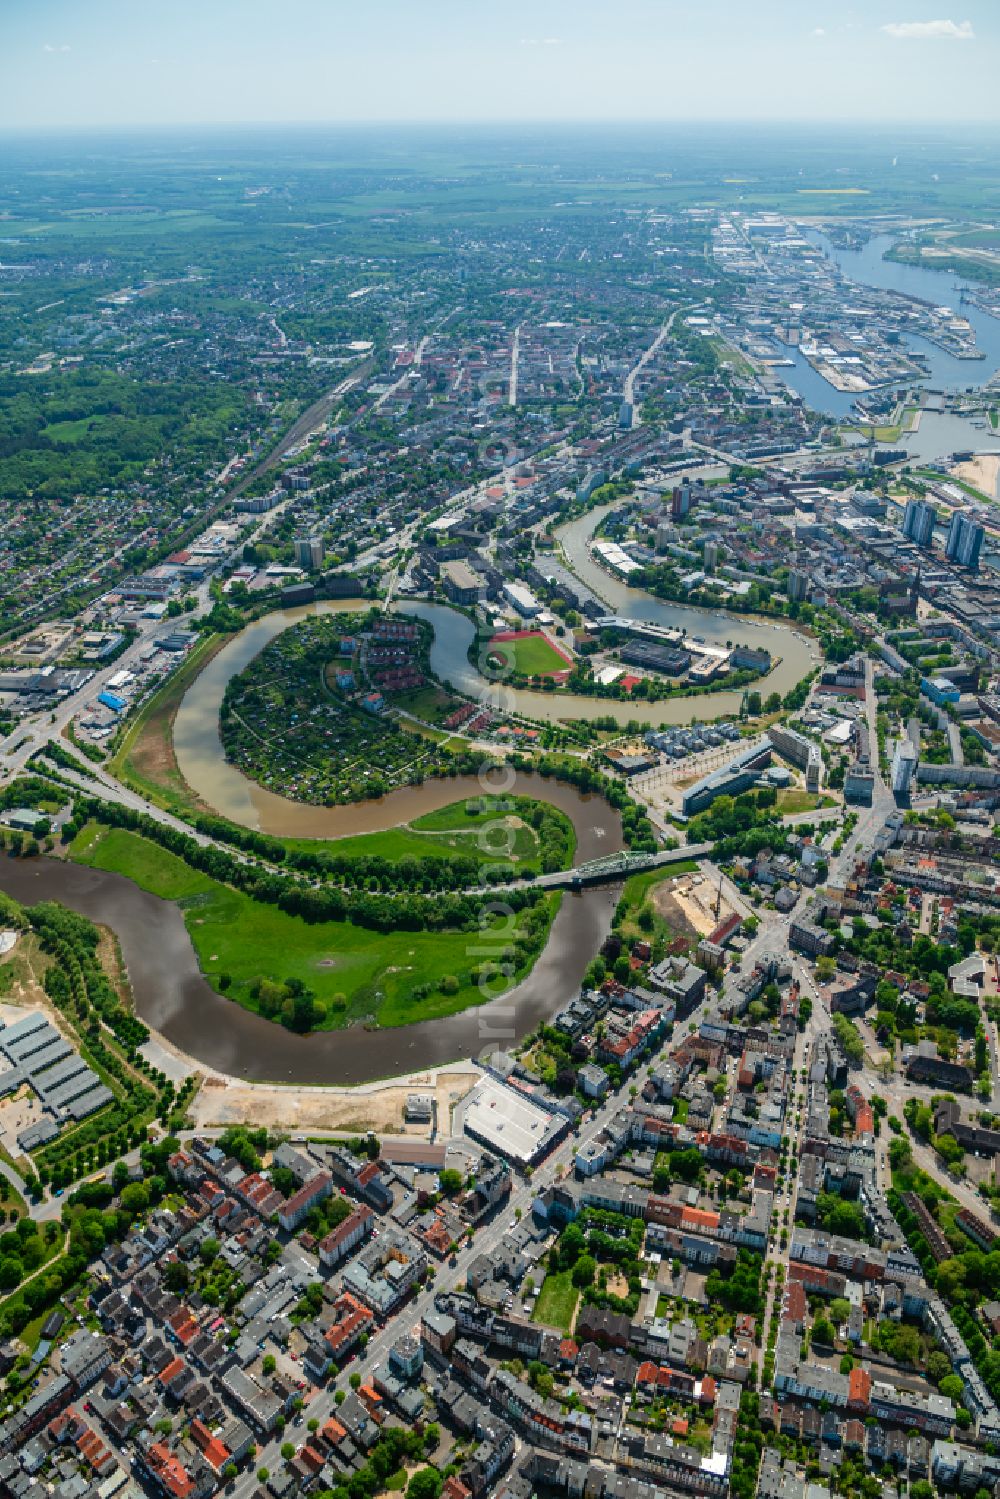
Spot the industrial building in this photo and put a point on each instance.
(33, 1052)
(522, 599)
(509, 1123)
(653, 657)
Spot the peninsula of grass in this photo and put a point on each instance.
(525, 834)
(312, 715)
(257, 954)
(557, 1301)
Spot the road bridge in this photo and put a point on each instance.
(615, 867)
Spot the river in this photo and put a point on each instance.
(202, 762)
(796, 654)
(939, 433)
(173, 997)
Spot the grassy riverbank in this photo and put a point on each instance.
(520, 830)
(354, 974)
(145, 758)
(640, 914)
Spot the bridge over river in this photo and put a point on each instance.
(611, 869)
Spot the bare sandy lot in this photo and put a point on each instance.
(690, 907)
(983, 471)
(379, 1107)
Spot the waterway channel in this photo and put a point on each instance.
(202, 761)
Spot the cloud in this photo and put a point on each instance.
(49, 48)
(818, 31)
(541, 41)
(930, 31)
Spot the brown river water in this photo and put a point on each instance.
(173, 997)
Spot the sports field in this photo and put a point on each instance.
(530, 653)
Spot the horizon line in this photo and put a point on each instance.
(854, 122)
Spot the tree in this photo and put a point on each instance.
(176, 1277)
(355, 1380)
(425, 1484)
(229, 1472)
(900, 1154)
(823, 1332)
(951, 1279)
(952, 1388)
(269, 1363)
(134, 1198)
(263, 1474)
(288, 1451)
(949, 1150)
(451, 1181)
(584, 1271)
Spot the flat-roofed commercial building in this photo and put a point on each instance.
(510, 1123)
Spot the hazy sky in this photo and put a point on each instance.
(81, 63)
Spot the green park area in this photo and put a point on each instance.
(530, 656)
(792, 799)
(265, 958)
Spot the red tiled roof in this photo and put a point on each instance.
(169, 1374)
(170, 1471)
(215, 1452)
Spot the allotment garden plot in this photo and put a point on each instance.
(314, 715)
